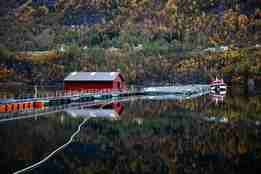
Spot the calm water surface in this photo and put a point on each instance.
(202, 135)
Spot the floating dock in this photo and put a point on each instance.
(181, 92)
(178, 90)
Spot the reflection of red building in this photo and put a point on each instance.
(110, 110)
(94, 81)
(117, 106)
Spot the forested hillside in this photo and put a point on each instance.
(148, 40)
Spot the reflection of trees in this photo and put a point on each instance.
(169, 139)
(173, 143)
(234, 107)
(26, 142)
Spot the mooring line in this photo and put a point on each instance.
(54, 152)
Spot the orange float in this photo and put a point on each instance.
(15, 107)
(9, 107)
(2, 108)
(28, 105)
(20, 106)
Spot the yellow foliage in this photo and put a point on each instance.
(171, 4)
(25, 14)
(243, 21)
(4, 72)
(230, 17)
(38, 56)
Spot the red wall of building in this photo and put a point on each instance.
(78, 86)
(117, 84)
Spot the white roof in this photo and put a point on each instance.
(92, 76)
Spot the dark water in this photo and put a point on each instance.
(202, 135)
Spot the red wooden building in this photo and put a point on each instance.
(78, 81)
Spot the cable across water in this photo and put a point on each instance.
(54, 152)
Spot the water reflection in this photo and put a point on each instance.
(217, 98)
(172, 140)
(148, 136)
(24, 142)
(110, 110)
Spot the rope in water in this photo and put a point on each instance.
(54, 152)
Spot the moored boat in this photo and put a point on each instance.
(218, 86)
